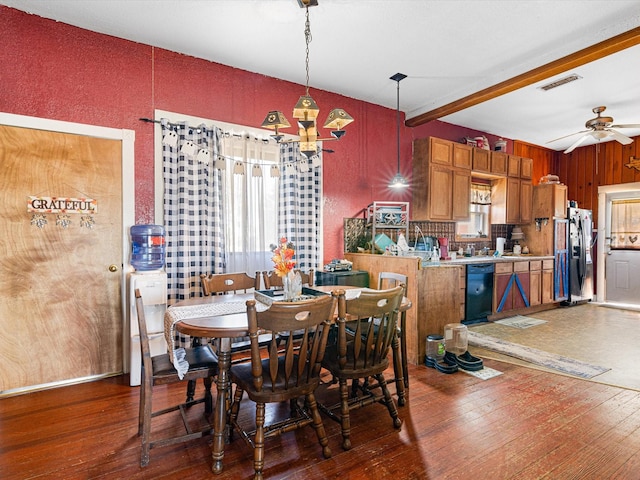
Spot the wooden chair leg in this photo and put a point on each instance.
(345, 422)
(310, 401)
(235, 408)
(146, 427)
(388, 400)
(191, 390)
(141, 406)
(398, 370)
(258, 452)
(403, 348)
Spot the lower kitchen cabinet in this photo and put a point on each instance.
(535, 282)
(548, 295)
(434, 293)
(511, 286)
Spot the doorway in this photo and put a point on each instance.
(618, 280)
(63, 272)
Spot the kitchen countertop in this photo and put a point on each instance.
(488, 259)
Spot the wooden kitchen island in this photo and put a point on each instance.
(434, 291)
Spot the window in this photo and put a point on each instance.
(479, 224)
(625, 224)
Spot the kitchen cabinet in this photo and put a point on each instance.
(481, 160)
(511, 286)
(535, 282)
(446, 152)
(513, 166)
(511, 201)
(499, 163)
(441, 180)
(547, 282)
(549, 201)
(526, 168)
(550, 238)
(434, 293)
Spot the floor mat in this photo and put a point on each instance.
(550, 360)
(520, 321)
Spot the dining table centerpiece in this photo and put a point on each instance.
(284, 264)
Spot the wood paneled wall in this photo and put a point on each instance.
(585, 169)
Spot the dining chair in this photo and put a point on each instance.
(221, 283)
(389, 280)
(272, 280)
(285, 374)
(159, 370)
(363, 355)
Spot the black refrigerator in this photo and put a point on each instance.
(580, 257)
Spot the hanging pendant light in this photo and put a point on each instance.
(398, 181)
(306, 110)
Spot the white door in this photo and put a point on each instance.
(618, 248)
(62, 270)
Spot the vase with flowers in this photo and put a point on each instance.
(283, 264)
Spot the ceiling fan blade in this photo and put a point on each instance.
(623, 139)
(577, 143)
(628, 125)
(567, 136)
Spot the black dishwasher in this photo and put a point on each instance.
(479, 296)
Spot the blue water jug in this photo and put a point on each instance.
(147, 247)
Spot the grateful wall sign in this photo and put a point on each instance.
(63, 207)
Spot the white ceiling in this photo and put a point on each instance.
(448, 48)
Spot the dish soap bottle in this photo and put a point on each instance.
(435, 256)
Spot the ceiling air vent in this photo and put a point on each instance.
(561, 81)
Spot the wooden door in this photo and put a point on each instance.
(60, 273)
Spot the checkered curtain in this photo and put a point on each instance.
(299, 204)
(193, 207)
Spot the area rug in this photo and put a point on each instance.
(520, 321)
(538, 357)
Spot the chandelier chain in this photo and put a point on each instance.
(307, 37)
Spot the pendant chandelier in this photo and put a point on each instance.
(306, 110)
(398, 181)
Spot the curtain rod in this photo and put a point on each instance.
(149, 120)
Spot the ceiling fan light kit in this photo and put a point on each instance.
(599, 128)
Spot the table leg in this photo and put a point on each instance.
(220, 413)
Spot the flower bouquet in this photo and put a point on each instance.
(283, 264)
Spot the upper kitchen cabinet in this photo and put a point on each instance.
(526, 168)
(445, 152)
(441, 180)
(550, 201)
(481, 160)
(513, 166)
(511, 200)
(499, 163)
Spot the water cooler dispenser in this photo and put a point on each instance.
(147, 257)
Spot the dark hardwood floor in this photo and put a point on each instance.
(524, 424)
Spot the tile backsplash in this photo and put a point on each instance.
(356, 234)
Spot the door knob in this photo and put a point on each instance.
(113, 268)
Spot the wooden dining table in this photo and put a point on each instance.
(224, 328)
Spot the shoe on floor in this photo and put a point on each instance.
(440, 365)
(467, 361)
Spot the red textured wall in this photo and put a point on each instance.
(53, 70)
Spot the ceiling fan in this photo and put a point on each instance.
(599, 127)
